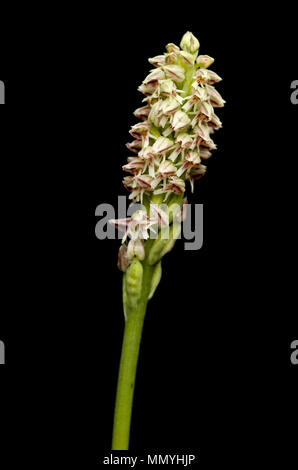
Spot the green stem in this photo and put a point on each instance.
(128, 365)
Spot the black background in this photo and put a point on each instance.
(214, 376)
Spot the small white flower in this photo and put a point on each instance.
(180, 121)
(205, 154)
(215, 122)
(176, 185)
(161, 145)
(202, 130)
(169, 106)
(195, 174)
(135, 165)
(184, 140)
(147, 153)
(142, 128)
(207, 76)
(135, 145)
(167, 87)
(215, 98)
(191, 160)
(136, 227)
(148, 88)
(166, 168)
(205, 110)
(143, 181)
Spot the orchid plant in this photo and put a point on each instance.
(171, 143)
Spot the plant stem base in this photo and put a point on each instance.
(128, 365)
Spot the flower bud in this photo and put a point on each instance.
(148, 88)
(171, 58)
(123, 260)
(142, 113)
(133, 282)
(155, 114)
(189, 43)
(204, 61)
(187, 58)
(174, 72)
(135, 248)
(172, 48)
(156, 74)
(158, 60)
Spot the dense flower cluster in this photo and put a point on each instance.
(173, 139)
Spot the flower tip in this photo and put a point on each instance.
(189, 43)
